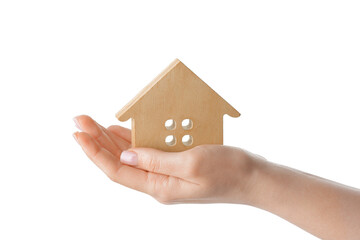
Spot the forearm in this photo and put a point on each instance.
(324, 208)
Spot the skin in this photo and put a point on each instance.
(223, 174)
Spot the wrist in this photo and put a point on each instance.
(258, 181)
(250, 175)
(269, 185)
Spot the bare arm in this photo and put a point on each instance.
(324, 208)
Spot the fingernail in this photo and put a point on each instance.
(129, 158)
(77, 124)
(75, 137)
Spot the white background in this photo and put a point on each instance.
(290, 67)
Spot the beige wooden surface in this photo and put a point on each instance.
(176, 94)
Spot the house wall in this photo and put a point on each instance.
(150, 131)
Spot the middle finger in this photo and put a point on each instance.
(88, 125)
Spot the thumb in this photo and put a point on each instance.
(152, 160)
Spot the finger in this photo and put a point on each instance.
(102, 158)
(125, 175)
(88, 125)
(121, 132)
(156, 161)
(121, 143)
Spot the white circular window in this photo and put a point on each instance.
(187, 140)
(187, 124)
(170, 124)
(170, 140)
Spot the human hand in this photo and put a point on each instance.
(221, 174)
(204, 174)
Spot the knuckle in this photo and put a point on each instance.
(112, 177)
(192, 170)
(194, 161)
(150, 163)
(112, 127)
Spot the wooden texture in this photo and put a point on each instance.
(177, 94)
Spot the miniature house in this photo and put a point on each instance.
(176, 111)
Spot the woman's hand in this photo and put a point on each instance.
(204, 174)
(214, 174)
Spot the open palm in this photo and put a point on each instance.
(104, 147)
(203, 174)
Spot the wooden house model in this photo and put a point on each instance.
(176, 111)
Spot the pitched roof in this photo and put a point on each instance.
(124, 113)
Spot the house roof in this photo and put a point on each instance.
(125, 113)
